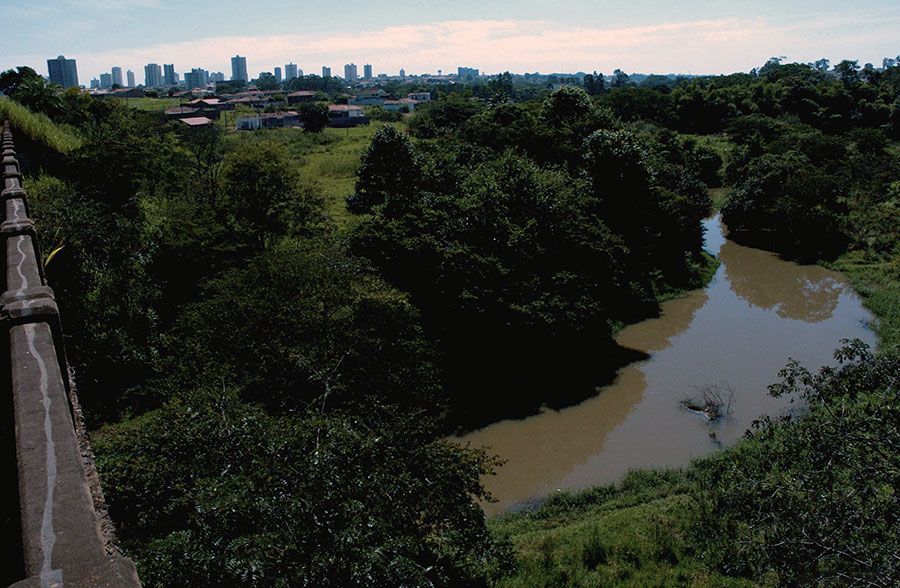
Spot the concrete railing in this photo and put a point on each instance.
(62, 541)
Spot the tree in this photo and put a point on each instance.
(620, 79)
(811, 500)
(787, 194)
(389, 170)
(314, 116)
(262, 196)
(267, 81)
(848, 71)
(594, 84)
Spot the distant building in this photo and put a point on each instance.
(367, 72)
(217, 76)
(326, 71)
(466, 73)
(346, 115)
(301, 96)
(402, 73)
(196, 78)
(239, 69)
(290, 71)
(350, 73)
(152, 75)
(299, 73)
(170, 78)
(278, 74)
(130, 76)
(106, 81)
(63, 72)
(117, 77)
(402, 105)
(420, 96)
(95, 84)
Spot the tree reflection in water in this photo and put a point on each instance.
(808, 293)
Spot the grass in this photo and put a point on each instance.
(877, 280)
(38, 127)
(636, 532)
(719, 197)
(329, 159)
(151, 104)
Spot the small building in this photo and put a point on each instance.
(369, 97)
(269, 120)
(196, 121)
(182, 112)
(248, 123)
(402, 105)
(301, 96)
(346, 115)
(419, 96)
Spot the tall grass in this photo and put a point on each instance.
(38, 127)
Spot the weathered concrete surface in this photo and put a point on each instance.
(63, 542)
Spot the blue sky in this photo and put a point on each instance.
(424, 35)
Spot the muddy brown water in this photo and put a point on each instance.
(736, 333)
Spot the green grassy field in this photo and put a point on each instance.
(328, 159)
(151, 104)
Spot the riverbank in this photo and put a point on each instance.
(647, 529)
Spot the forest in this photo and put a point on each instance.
(271, 368)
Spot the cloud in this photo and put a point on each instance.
(698, 46)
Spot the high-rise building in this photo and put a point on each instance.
(299, 73)
(170, 78)
(239, 69)
(95, 84)
(152, 75)
(350, 72)
(402, 73)
(117, 77)
(130, 76)
(290, 71)
(278, 74)
(197, 78)
(217, 76)
(367, 72)
(326, 71)
(466, 73)
(106, 81)
(63, 71)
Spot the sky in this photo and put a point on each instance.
(424, 36)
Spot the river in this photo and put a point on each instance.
(735, 335)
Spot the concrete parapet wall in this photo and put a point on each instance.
(62, 541)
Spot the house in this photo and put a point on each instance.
(301, 96)
(248, 123)
(346, 115)
(419, 96)
(269, 120)
(402, 105)
(196, 121)
(182, 112)
(369, 97)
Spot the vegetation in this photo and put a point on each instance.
(39, 128)
(273, 332)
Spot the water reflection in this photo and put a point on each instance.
(807, 293)
(757, 311)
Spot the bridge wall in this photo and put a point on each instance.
(62, 541)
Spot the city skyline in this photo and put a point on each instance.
(704, 37)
